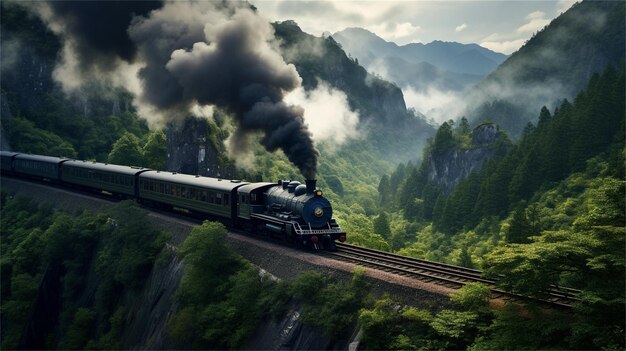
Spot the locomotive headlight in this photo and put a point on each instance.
(318, 212)
(318, 193)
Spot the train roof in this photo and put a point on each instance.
(8, 153)
(192, 180)
(104, 167)
(39, 158)
(248, 188)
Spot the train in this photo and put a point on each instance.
(295, 213)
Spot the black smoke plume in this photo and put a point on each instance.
(194, 53)
(232, 65)
(99, 29)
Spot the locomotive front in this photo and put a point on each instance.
(308, 212)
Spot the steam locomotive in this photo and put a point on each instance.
(292, 212)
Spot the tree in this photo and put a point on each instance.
(155, 150)
(381, 225)
(25, 137)
(463, 128)
(444, 139)
(544, 117)
(465, 259)
(519, 227)
(335, 184)
(384, 189)
(126, 151)
(473, 296)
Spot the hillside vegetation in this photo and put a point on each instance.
(556, 63)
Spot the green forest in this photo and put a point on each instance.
(547, 208)
(222, 299)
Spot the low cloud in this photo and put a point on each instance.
(536, 21)
(327, 114)
(435, 104)
(400, 33)
(505, 46)
(461, 27)
(564, 5)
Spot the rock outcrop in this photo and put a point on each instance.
(192, 149)
(449, 167)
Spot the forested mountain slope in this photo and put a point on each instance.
(37, 117)
(574, 137)
(394, 131)
(547, 209)
(554, 64)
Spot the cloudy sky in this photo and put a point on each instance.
(501, 26)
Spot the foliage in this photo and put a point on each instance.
(588, 256)
(126, 151)
(381, 225)
(444, 139)
(473, 296)
(128, 252)
(222, 297)
(79, 331)
(38, 242)
(22, 234)
(534, 329)
(331, 306)
(155, 150)
(24, 136)
(389, 326)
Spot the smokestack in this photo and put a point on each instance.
(310, 185)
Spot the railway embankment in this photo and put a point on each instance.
(155, 303)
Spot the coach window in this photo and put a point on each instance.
(226, 200)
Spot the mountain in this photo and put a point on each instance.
(392, 129)
(554, 64)
(458, 65)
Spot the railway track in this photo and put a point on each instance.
(443, 274)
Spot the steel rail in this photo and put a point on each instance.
(443, 274)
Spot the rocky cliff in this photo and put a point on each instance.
(195, 147)
(447, 168)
